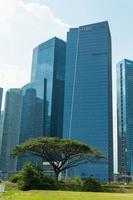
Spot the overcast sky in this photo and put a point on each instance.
(26, 23)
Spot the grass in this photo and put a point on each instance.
(61, 195)
(12, 193)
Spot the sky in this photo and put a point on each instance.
(26, 23)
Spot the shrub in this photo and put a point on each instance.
(10, 186)
(48, 183)
(90, 184)
(15, 177)
(32, 177)
(70, 184)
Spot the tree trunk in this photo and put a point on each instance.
(57, 175)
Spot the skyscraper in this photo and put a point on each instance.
(43, 97)
(88, 95)
(32, 116)
(1, 117)
(11, 126)
(125, 116)
(1, 128)
(1, 94)
(49, 64)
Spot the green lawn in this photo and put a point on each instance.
(59, 195)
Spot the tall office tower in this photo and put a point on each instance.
(125, 116)
(11, 126)
(1, 127)
(1, 117)
(49, 64)
(32, 117)
(88, 95)
(43, 98)
(1, 94)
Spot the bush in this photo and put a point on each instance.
(15, 177)
(48, 183)
(90, 184)
(70, 184)
(32, 178)
(10, 186)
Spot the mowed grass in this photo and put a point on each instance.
(61, 195)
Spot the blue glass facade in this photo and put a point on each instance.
(1, 128)
(125, 116)
(88, 95)
(49, 64)
(43, 98)
(1, 94)
(32, 116)
(11, 127)
(1, 117)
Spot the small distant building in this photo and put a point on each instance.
(48, 169)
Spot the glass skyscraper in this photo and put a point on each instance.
(1, 95)
(1, 127)
(88, 95)
(1, 117)
(32, 117)
(48, 65)
(43, 97)
(11, 127)
(125, 116)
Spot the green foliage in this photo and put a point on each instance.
(49, 183)
(15, 177)
(61, 154)
(10, 186)
(76, 184)
(90, 184)
(32, 178)
(70, 185)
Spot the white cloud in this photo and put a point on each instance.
(12, 75)
(22, 27)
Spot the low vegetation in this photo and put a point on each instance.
(112, 191)
(31, 184)
(31, 177)
(62, 195)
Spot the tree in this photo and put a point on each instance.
(61, 154)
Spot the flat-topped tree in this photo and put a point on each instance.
(61, 154)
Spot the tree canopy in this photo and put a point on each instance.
(61, 154)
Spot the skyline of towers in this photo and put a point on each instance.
(125, 116)
(88, 95)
